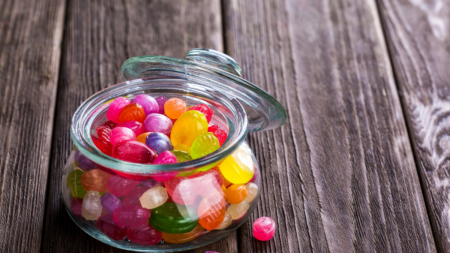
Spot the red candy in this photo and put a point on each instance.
(144, 235)
(136, 126)
(109, 124)
(131, 216)
(205, 181)
(132, 112)
(205, 110)
(181, 190)
(104, 146)
(121, 186)
(264, 228)
(103, 132)
(76, 205)
(121, 134)
(219, 132)
(108, 227)
(132, 198)
(134, 151)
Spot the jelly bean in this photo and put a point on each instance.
(174, 219)
(122, 134)
(164, 176)
(226, 221)
(203, 109)
(110, 202)
(182, 156)
(148, 103)
(144, 235)
(131, 216)
(92, 207)
(211, 211)
(76, 204)
(236, 193)
(103, 133)
(121, 186)
(132, 112)
(219, 132)
(109, 124)
(111, 229)
(74, 182)
(158, 123)
(132, 198)
(185, 237)
(204, 145)
(95, 180)
(159, 142)
(206, 182)
(115, 108)
(181, 190)
(181, 147)
(154, 197)
(141, 138)
(166, 157)
(136, 126)
(252, 190)
(264, 228)
(103, 145)
(239, 210)
(188, 127)
(151, 182)
(161, 101)
(134, 151)
(83, 162)
(238, 168)
(174, 107)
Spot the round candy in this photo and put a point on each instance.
(188, 127)
(132, 198)
(134, 151)
(144, 235)
(95, 180)
(236, 193)
(181, 190)
(132, 112)
(203, 109)
(207, 182)
(219, 132)
(204, 145)
(103, 133)
(161, 101)
(174, 107)
(158, 123)
(141, 138)
(131, 216)
(83, 162)
(239, 210)
(110, 202)
(174, 219)
(151, 183)
(238, 168)
(76, 204)
(159, 142)
(91, 207)
(226, 221)
(109, 124)
(165, 157)
(264, 228)
(103, 145)
(182, 156)
(181, 147)
(185, 237)
(136, 126)
(116, 107)
(154, 197)
(147, 102)
(121, 134)
(74, 182)
(211, 211)
(252, 190)
(111, 229)
(121, 186)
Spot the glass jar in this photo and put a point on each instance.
(170, 207)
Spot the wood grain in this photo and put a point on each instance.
(340, 175)
(30, 38)
(418, 37)
(99, 37)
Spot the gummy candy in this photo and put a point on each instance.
(174, 107)
(158, 123)
(134, 151)
(121, 134)
(188, 127)
(181, 190)
(116, 107)
(204, 144)
(154, 197)
(76, 204)
(108, 227)
(131, 216)
(184, 237)
(238, 168)
(121, 186)
(132, 198)
(83, 162)
(159, 142)
(264, 228)
(182, 156)
(144, 235)
(203, 109)
(148, 103)
(165, 157)
(95, 180)
(236, 193)
(92, 208)
(173, 218)
(151, 182)
(211, 211)
(181, 147)
(110, 202)
(226, 221)
(132, 112)
(219, 132)
(239, 210)
(74, 182)
(252, 190)
(136, 126)
(142, 137)
(109, 124)
(161, 101)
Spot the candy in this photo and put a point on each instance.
(188, 127)
(121, 186)
(74, 182)
(151, 183)
(132, 112)
(135, 126)
(184, 237)
(134, 151)
(264, 228)
(95, 180)
(204, 144)
(238, 168)
(83, 162)
(236, 193)
(76, 204)
(158, 123)
(161, 101)
(103, 133)
(131, 216)
(182, 156)
(165, 157)
(92, 208)
(203, 109)
(116, 107)
(181, 190)
(132, 198)
(219, 132)
(108, 227)
(154, 197)
(144, 235)
(121, 134)
(104, 145)
(239, 210)
(174, 219)
(147, 102)
(174, 107)
(159, 142)
(164, 176)
(252, 190)
(226, 221)
(207, 182)
(211, 212)
(141, 138)
(110, 202)
(109, 124)
(181, 147)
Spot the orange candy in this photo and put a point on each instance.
(143, 137)
(211, 212)
(174, 107)
(226, 183)
(95, 180)
(236, 193)
(186, 237)
(132, 112)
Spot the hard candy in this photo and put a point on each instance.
(109, 124)
(184, 237)
(132, 112)
(264, 228)
(174, 107)
(159, 142)
(208, 112)
(74, 182)
(134, 151)
(219, 132)
(239, 210)
(144, 235)
(95, 180)
(135, 126)
(147, 102)
(211, 211)
(103, 145)
(204, 145)
(181, 190)
(121, 134)
(173, 218)
(76, 205)
(238, 168)
(154, 197)
(121, 186)
(182, 156)
(92, 207)
(111, 229)
(161, 101)
(151, 183)
(83, 162)
(226, 221)
(207, 182)
(110, 202)
(188, 127)
(252, 190)
(165, 157)
(142, 137)
(158, 123)
(132, 198)
(116, 107)
(131, 216)
(181, 147)
(236, 193)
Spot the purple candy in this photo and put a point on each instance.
(76, 205)
(110, 202)
(151, 183)
(161, 101)
(149, 104)
(158, 123)
(136, 126)
(158, 142)
(165, 157)
(83, 162)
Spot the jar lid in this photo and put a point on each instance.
(220, 71)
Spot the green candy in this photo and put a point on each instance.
(74, 182)
(173, 218)
(182, 156)
(204, 145)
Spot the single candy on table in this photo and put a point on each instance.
(181, 190)
(188, 127)
(238, 168)
(132, 112)
(158, 123)
(219, 132)
(110, 202)
(154, 197)
(108, 227)
(74, 182)
(239, 210)
(159, 142)
(174, 107)
(161, 101)
(203, 109)
(95, 180)
(147, 102)
(132, 198)
(134, 151)
(122, 134)
(165, 157)
(131, 216)
(264, 228)
(141, 138)
(92, 207)
(76, 204)
(173, 218)
(252, 190)
(226, 221)
(204, 145)
(236, 193)
(121, 186)
(136, 126)
(144, 235)
(116, 107)
(184, 237)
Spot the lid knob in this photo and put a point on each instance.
(215, 59)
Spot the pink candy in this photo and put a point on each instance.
(120, 186)
(144, 235)
(121, 134)
(264, 228)
(161, 101)
(131, 216)
(181, 190)
(164, 176)
(148, 103)
(132, 198)
(133, 151)
(158, 123)
(136, 126)
(165, 157)
(76, 205)
(116, 107)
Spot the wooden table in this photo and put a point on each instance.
(361, 165)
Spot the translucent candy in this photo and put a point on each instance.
(264, 228)
(151, 183)
(141, 138)
(110, 202)
(95, 180)
(159, 142)
(238, 168)
(173, 218)
(207, 182)
(252, 190)
(184, 237)
(181, 147)
(83, 162)
(103, 133)
(174, 107)
(165, 157)
(136, 126)
(116, 107)
(144, 235)
(76, 204)
(154, 197)
(147, 102)
(211, 211)
(158, 123)
(109, 124)
(132, 112)
(132, 198)
(161, 101)
(103, 145)
(74, 182)
(188, 127)
(219, 132)
(236, 193)
(204, 145)
(92, 208)
(164, 176)
(226, 221)
(203, 109)
(111, 229)
(134, 151)
(181, 190)
(239, 210)
(131, 216)
(182, 156)
(121, 134)
(121, 186)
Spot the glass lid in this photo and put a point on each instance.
(223, 73)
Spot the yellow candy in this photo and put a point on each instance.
(181, 147)
(238, 168)
(188, 127)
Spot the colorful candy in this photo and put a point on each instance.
(95, 180)
(131, 216)
(110, 202)
(108, 227)
(120, 186)
(159, 142)
(182, 156)
(181, 190)
(219, 132)
(173, 218)
(144, 235)
(208, 112)
(134, 151)
(161, 101)
(92, 207)
(74, 182)
(121, 134)
(83, 162)
(132, 112)
(158, 123)
(109, 124)
(181, 147)
(166, 157)
(76, 204)
(154, 197)
(211, 211)
(132, 198)
(142, 137)
(204, 145)
(264, 228)
(136, 126)
(174, 108)
(239, 210)
(226, 221)
(252, 192)
(184, 237)
(188, 127)
(115, 108)
(147, 102)
(235, 194)
(238, 168)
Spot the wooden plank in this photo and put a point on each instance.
(418, 37)
(99, 37)
(30, 38)
(340, 175)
